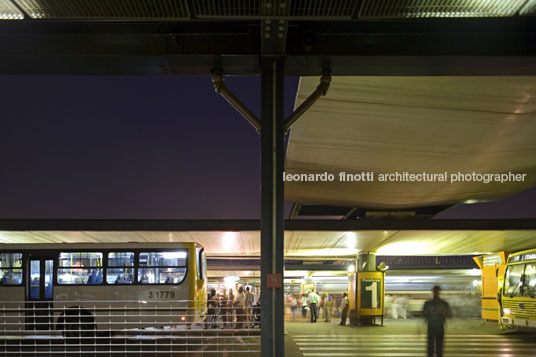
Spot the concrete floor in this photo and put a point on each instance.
(403, 338)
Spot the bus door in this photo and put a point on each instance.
(39, 292)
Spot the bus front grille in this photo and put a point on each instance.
(521, 309)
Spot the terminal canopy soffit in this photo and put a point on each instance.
(305, 244)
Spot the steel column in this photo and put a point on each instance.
(272, 220)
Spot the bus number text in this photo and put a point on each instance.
(161, 294)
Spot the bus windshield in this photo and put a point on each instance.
(530, 280)
(512, 281)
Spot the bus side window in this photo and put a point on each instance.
(80, 268)
(10, 268)
(120, 268)
(167, 267)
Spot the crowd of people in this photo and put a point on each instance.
(315, 305)
(241, 309)
(233, 308)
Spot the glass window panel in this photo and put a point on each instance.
(170, 259)
(204, 264)
(121, 259)
(161, 275)
(35, 277)
(79, 276)
(48, 278)
(10, 260)
(10, 276)
(512, 281)
(120, 275)
(530, 280)
(198, 263)
(80, 259)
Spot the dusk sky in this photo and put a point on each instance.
(144, 147)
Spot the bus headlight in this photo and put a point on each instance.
(507, 311)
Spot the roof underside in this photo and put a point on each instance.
(305, 244)
(259, 9)
(435, 125)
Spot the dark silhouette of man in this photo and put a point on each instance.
(344, 307)
(435, 311)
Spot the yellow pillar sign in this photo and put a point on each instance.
(370, 293)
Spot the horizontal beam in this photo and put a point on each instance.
(351, 213)
(425, 65)
(254, 225)
(413, 47)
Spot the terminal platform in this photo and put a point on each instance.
(404, 338)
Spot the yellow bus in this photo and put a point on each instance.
(518, 295)
(101, 287)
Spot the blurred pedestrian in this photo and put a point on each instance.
(402, 302)
(257, 313)
(223, 308)
(388, 303)
(293, 304)
(212, 313)
(303, 304)
(435, 312)
(394, 307)
(229, 309)
(327, 307)
(249, 307)
(240, 308)
(344, 309)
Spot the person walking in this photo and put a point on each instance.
(394, 307)
(212, 313)
(344, 309)
(229, 309)
(303, 304)
(249, 308)
(312, 300)
(435, 312)
(293, 304)
(223, 308)
(403, 307)
(388, 303)
(240, 308)
(327, 307)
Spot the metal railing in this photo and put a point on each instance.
(172, 327)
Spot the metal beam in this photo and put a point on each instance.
(272, 205)
(221, 89)
(295, 210)
(370, 212)
(320, 91)
(425, 65)
(131, 225)
(405, 47)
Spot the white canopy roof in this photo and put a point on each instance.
(413, 124)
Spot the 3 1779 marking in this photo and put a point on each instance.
(161, 294)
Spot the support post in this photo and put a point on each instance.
(366, 262)
(272, 208)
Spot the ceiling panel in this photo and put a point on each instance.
(8, 11)
(401, 9)
(105, 9)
